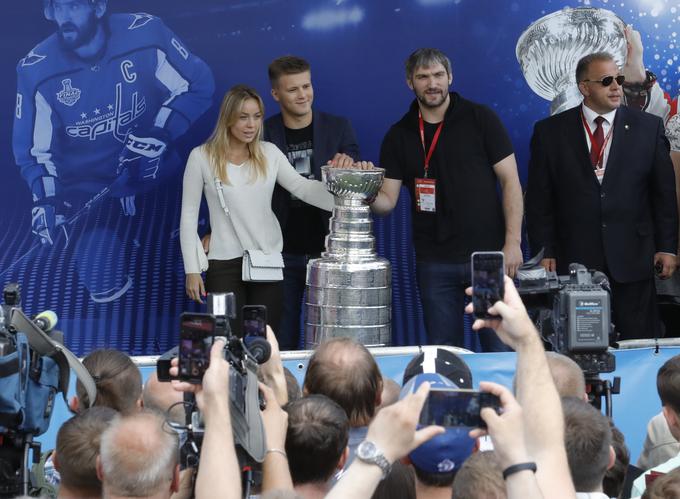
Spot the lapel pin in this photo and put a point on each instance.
(627, 127)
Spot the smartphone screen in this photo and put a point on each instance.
(255, 321)
(195, 340)
(487, 282)
(453, 407)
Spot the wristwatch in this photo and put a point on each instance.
(369, 453)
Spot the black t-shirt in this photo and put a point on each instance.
(303, 233)
(469, 213)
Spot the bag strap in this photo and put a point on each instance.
(223, 203)
(65, 359)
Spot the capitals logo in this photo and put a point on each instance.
(115, 122)
(68, 95)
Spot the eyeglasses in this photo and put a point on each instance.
(608, 80)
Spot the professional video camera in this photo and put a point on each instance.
(197, 332)
(573, 314)
(34, 367)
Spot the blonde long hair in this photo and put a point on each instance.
(218, 145)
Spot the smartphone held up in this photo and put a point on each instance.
(487, 282)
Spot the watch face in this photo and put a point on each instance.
(366, 450)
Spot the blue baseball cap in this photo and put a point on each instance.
(446, 452)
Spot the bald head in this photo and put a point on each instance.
(346, 372)
(567, 375)
(138, 457)
(162, 397)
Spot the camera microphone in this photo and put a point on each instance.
(46, 320)
(601, 279)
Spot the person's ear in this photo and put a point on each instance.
(174, 485)
(140, 403)
(583, 88)
(100, 469)
(409, 82)
(450, 79)
(100, 9)
(378, 396)
(669, 416)
(275, 94)
(55, 460)
(406, 461)
(74, 405)
(612, 458)
(343, 459)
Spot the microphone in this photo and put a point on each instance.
(46, 320)
(601, 279)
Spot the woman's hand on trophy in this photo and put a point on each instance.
(195, 287)
(363, 165)
(341, 160)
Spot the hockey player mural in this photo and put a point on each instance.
(99, 104)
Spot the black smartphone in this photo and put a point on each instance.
(254, 321)
(196, 335)
(454, 407)
(487, 282)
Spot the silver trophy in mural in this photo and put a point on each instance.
(349, 289)
(550, 48)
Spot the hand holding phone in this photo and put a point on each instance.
(195, 340)
(487, 282)
(453, 407)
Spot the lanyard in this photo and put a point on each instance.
(590, 136)
(435, 139)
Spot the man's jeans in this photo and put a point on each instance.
(442, 294)
(290, 337)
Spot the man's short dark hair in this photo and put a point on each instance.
(584, 63)
(318, 431)
(346, 372)
(400, 482)
(435, 479)
(425, 58)
(480, 476)
(286, 65)
(664, 487)
(118, 380)
(78, 446)
(668, 383)
(587, 439)
(612, 485)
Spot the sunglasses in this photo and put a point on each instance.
(608, 80)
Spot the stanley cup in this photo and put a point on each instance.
(349, 289)
(550, 48)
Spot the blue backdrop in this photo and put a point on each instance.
(357, 49)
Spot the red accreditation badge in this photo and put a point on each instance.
(426, 190)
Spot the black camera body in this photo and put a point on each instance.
(573, 313)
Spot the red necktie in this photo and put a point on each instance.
(597, 142)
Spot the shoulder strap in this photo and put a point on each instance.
(65, 359)
(223, 203)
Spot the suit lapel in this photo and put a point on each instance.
(577, 136)
(619, 141)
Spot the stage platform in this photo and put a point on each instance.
(636, 364)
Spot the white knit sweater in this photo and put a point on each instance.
(248, 202)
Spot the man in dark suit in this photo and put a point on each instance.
(309, 139)
(601, 193)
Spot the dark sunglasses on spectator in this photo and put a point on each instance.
(607, 80)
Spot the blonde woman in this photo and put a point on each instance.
(245, 169)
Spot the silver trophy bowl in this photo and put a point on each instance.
(349, 289)
(550, 48)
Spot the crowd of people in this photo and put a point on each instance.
(346, 432)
